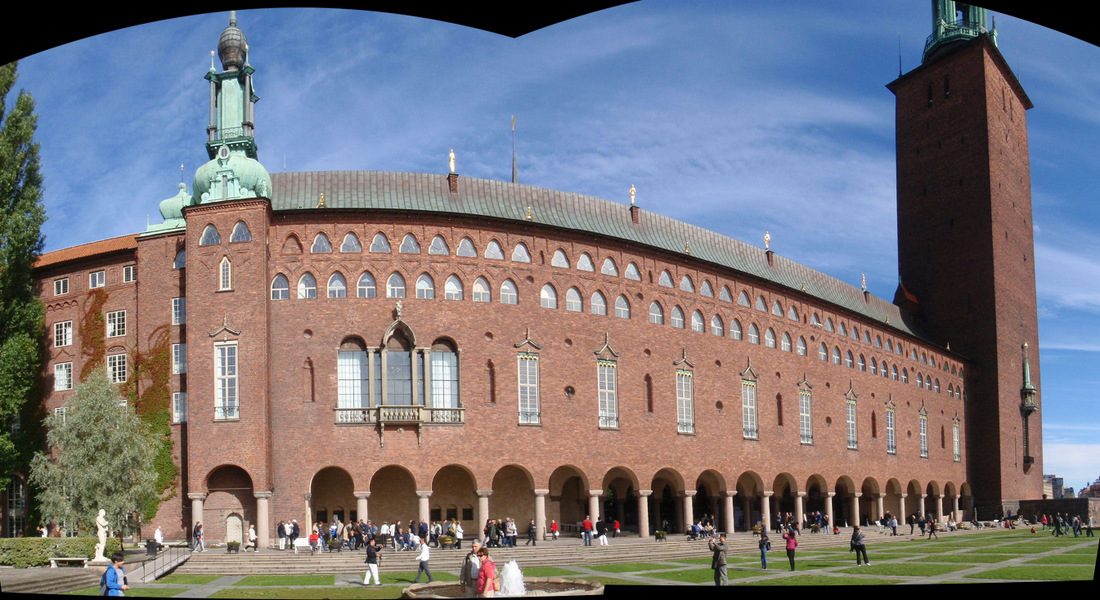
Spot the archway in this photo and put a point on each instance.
(393, 496)
(454, 497)
(666, 509)
(620, 502)
(331, 496)
(229, 491)
(568, 498)
(750, 492)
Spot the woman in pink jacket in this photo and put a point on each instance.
(486, 577)
(791, 544)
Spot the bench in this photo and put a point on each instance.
(67, 559)
(302, 542)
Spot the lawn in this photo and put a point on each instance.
(1038, 573)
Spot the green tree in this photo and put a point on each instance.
(100, 455)
(21, 312)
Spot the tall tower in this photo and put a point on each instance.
(965, 245)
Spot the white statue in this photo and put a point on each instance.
(101, 533)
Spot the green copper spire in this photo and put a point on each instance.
(1027, 392)
(955, 22)
(233, 171)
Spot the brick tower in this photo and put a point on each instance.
(965, 245)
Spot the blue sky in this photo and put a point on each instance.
(733, 115)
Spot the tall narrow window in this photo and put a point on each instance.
(716, 326)
(891, 437)
(685, 402)
(956, 448)
(179, 359)
(179, 310)
(598, 304)
(528, 388)
(225, 381)
(805, 416)
(452, 289)
(395, 286)
(116, 323)
(923, 434)
(850, 413)
(353, 379)
(677, 317)
(444, 376)
(608, 393)
(656, 314)
(116, 368)
(225, 278)
(622, 307)
(63, 376)
(179, 407)
(481, 290)
(748, 409)
(62, 334)
(697, 323)
(735, 329)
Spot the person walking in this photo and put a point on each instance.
(859, 546)
(765, 545)
(931, 527)
(198, 545)
(718, 560)
(372, 563)
(423, 566)
(553, 530)
(486, 575)
(601, 531)
(791, 545)
(113, 582)
(531, 530)
(471, 566)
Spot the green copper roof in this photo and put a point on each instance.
(430, 193)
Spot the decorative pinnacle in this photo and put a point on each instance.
(529, 213)
(687, 247)
(632, 193)
(863, 282)
(452, 160)
(321, 202)
(767, 240)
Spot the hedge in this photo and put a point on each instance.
(37, 551)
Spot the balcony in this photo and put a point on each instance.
(400, 415)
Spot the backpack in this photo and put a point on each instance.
(103, 584)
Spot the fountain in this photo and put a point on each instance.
(512, 583)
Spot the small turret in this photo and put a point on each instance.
(954, 23)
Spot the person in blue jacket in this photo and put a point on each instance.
(115, 577)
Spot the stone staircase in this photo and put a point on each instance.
(50, 581)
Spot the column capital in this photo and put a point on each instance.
(923, 496)
(197, 496)
(690, 493)
(767, 493)
(830, 494)
(423, 494)
(645, 493)
(939, 496)
(539, 493)
(595, 493)
(263, 495)
(802, 494)
(882, 494)
(484, 493)
(903, 495)
(361, 495)
(857, 494)
(731, 493)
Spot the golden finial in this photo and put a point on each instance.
(529, 213)
(803, 286)
(632, 192)
(767, 240)
(687, 247)
(321, 202)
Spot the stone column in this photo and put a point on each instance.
(766, 510)
(881, 505)
(309, 515)
(855, 508)
(196, 510)
(594, 505)
(643, 512)
(727, 511)
(424, 512)
(540, 513)
(939, 507)
(922, 497)
(689, 509)
(829, 509)
(482, 513)
(955, 507)
(798, 509)
(361, 505)
(263, 522)
(902, 508)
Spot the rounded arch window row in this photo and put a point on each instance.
(886, 370)
(889, 345)
(380, 243)
(211, 237)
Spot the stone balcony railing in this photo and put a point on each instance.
(399, 415)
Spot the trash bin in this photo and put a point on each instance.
(151, 547)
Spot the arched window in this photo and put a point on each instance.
(622, 307)
(754, 334)
(920, 381)
(677, 317)
(280, 288)
(225, 275)
(743, 299)
(481, 290)
(823, 352)
(842, 330)
(786, 345)
(210, 236)
(609, 267)
(598, 303)
(521, 254)
(409, 245)
(425, 287)
(706, 290)
(573, 300)
(444, 375)
(439, 246)
(829, 324)
(894, 372)
(395, 286)
(687, 285)
(836, 355)
(181, 260)
(866, 337)
(559, 260)
(878, 341)
(936, 386)
(717, 327)
(792, 313)
(849, 360)
(508, 294)
(366, 286)
(351, 243)
(584, 263)
(735, 329)
(307, 287)
(633, 273)
(337, 287)
(769, 338)
(240, 233)
(874, 366)
(321, 244)
(862, 363)
(466, 248)
(665, 280)
(801, 346)
(905, 375)
(855, 333)
(548, 298)
(761, 304)
(452, 289)
(697, 323)
(494, 251)
(725, 294)
(656, 314)
(380, 244)
(777, 309)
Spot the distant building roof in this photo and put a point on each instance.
(116, 244)
(430, 193)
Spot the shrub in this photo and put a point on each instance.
(37, 551)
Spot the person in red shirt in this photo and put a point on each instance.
(587, 530)
(553, 530)
(615, 527)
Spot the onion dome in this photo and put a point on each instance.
(171, 210)
(230, 176)
(232, 46)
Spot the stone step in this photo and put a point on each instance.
(55, 581)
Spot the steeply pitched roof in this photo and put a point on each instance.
(116, 244)
(430, 193)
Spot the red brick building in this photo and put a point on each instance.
(400, 346)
